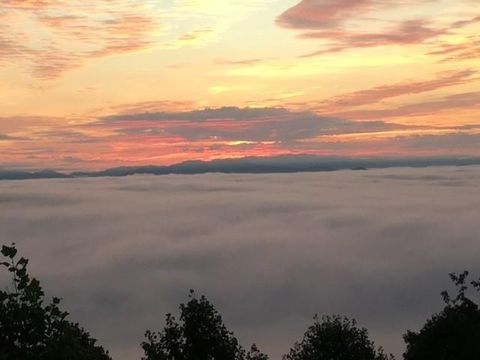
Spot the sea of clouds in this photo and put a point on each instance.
(269, 251)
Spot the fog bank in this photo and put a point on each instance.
(268, 250)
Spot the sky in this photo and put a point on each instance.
(269, 250)
(95, 84)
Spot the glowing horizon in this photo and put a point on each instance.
(91, 85)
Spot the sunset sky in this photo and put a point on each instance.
(102, 83)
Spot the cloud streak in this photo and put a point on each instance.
(5, 137)
(170, 136)
(470, 100)
(407, 33)
(72, 39)
(250, 124)
(70, 34)
(238, 62)
(346, 24)
(322, 14)
(466, 50)
(379, 93)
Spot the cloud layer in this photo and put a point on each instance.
(348, 24)
(142, 134)
(55, 37)
(270, 251)
(69, 35)
(105, 83)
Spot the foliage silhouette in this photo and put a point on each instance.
(335, 338)
(200, 335)
(30, 330)
(255, 354)
(33, 330)
(452, 334)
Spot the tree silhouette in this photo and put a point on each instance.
(255, 354)
(200, 335)
(452, 334)
(30, 330)
(335, 338)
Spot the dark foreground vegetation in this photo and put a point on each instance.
(33, 329)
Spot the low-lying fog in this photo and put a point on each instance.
(269, 251)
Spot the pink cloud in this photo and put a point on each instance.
(458, 52)
(170, 137)
(470, 100)
(463, 23)
(238, 62)
(379, 93)
(29, 4)
(328, 20)
(406, 33)
(74, 38)
(322, 14)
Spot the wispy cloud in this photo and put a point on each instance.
(468, 22)
(64, 42)
(178, 133)
(322, 14)
(5, 137)
(380, 93)
(466, 50)
(349, 24)
(69, 34)
(237, 124)
(152, 107)
(253, 61)
(30, 4)
(406, 33)
(195, 36)
(469, 100)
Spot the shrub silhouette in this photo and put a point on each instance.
(335, 338)
(255, 354)
(454, 333)
(200, 335)
(30, 330)
(33, 330)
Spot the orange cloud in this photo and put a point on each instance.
(340, 24)
(458, 52)
(195, 35)
(171, 137)
(379, 93)
(153, 106)
(406, 33)
(238, 62)
(322, 14)
(72, 39)
(463, 23)
(470, 101)
(29, 4)
(243, 64)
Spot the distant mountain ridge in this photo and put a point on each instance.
(249, 165)
(23, 175)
